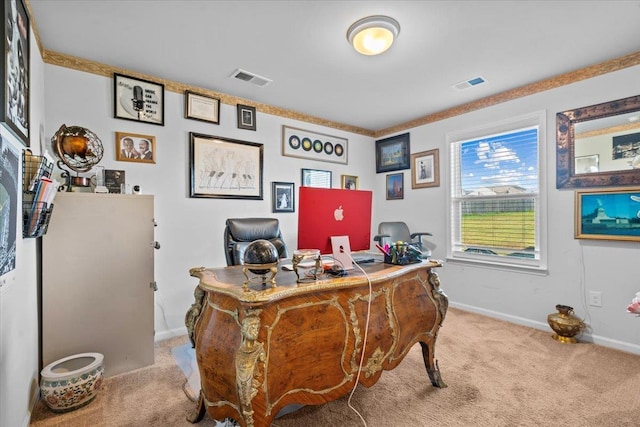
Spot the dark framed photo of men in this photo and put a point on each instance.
(14, 111)
(132, 147)
(138, 100)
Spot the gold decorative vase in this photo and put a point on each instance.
(565, 324)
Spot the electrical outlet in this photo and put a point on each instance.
(595, 299)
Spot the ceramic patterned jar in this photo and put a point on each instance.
(72, 382)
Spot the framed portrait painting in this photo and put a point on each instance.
(283, 197)
(425, 169)
(225, 168)
(138, 100)
(132, 147)
(15, 69)
(246, 117)
(611, 214)
(392, 153)
(395, 186)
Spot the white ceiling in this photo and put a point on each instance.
(302, 47)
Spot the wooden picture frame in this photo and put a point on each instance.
(349, 182)
(15, 70)
(393, 153)
(316, 178)
(425, 169)
(133, 147)
(246, 117)
(395, 186)
(225, 168)
(201, 107)
(138, 100)
(609, 214)
(283, 197)
(304, 144)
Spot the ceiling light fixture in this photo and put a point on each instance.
(373, 35)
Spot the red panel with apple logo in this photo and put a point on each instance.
(326, 212)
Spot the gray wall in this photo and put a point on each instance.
(190, 230)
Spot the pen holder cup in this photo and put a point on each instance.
(402, 255)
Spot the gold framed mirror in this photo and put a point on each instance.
(599, 145)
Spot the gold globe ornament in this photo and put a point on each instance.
(79, 149)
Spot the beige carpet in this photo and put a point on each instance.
(499, 374)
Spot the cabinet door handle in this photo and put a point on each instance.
(156, 245)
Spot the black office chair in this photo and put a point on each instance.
(239, 232)
(394, 231)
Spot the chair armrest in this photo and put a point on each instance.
(423, 233)
(378, 237)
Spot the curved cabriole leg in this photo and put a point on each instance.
(198, 412)
(432, 367)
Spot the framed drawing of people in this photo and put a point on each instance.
(225, 168)
(15, 69)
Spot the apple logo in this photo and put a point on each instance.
(338, 213)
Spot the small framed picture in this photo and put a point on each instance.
(316, 178)
(392, 153)
(132, 147)
(611, 214)
(425, 169)
(201, 107)
(15, 69)
(138, 100)
(349, 182)
(283, 197)
(395, 186)
(246, 117)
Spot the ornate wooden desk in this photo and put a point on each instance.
(261, 349)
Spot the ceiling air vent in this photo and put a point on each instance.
(469, 83)
(250, 77)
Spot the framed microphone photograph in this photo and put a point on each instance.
(138, 100)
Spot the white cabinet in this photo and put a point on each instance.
(97, 280)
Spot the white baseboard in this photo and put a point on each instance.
(165, 335)
(595, 339)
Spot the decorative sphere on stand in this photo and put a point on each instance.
(261, 257)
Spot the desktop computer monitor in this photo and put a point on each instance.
(326, 212)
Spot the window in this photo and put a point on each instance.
(496, 193)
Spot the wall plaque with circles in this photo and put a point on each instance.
(305, 144)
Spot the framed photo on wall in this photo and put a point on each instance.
(132, 147)
(392, 153)
(425, 169)
(225, 168)
(15, 69)
(611, 214)
(349, 182)
(201, 107)
(246, 117)
(395, 186)
(283, 197)
(138, 100)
